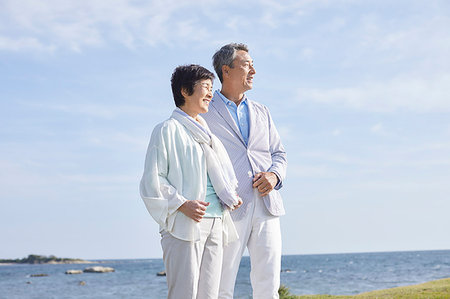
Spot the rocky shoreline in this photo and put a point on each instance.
(41, 259)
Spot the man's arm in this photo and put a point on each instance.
(274, 176)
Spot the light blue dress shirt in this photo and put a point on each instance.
(239, 114)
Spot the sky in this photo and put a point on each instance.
(359, 92)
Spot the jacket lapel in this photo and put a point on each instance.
(251, 121)
(222, 109)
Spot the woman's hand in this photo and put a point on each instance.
(238, 204)
(194, 209)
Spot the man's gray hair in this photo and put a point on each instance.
(225, 56)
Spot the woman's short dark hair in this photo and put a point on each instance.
(185, 77)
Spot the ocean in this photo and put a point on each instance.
(336, 274)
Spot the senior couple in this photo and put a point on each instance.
(211, 182)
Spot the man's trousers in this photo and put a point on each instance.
(260, 232)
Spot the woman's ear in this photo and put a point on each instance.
(184, 93)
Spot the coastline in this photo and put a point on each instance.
(348, 274)
(52, 263)
(34, 259)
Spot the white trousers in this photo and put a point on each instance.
(193, 268)
(260, 233)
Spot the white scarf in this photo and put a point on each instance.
(220, 169)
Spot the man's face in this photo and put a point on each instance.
(242, 72)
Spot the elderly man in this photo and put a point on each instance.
(249, 135)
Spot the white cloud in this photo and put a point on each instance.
(24, 44)
(118, 141)
(377, 129)
(419, 94)
(74, 24)
(332, 157)
(416, 36)
(286, 133)
(14, 176)
(306, 53)
(101, 111)
(380, 63)
(96, 110)
(336, 132)
(90, 179)
(318, 171)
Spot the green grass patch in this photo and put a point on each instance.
(436, 289)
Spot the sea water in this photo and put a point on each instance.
(336, 274)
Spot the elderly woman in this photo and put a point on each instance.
(188, 187)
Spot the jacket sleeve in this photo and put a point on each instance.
(160, 197)
(279, 159)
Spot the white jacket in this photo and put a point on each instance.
(175, 171)
(263, 152)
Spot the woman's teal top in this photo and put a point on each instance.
(215, 208)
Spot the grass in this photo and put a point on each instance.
(436, 289)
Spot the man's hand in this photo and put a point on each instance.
(194, 209)
(265, 182)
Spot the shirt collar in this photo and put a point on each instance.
(227, 101)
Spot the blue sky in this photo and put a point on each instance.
(359, 91)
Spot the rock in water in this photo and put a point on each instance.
(38, 275)
(74, 271)
(162, 273)
(98, 269)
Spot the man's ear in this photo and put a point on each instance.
(225, 70)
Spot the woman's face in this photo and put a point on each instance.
(198, 102)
